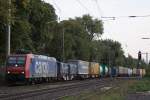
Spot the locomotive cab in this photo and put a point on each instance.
(15, 68)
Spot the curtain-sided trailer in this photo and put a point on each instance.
(66, 71)
(130, 71)
(143, 72)
(122, 71)
(82, 68)
(42, 67)
(72, 71)
(138, 72)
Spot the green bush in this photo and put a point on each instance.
(141, 86)
(147, 72)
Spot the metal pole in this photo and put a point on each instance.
(63, 53)
(146, 57)
(9, 28)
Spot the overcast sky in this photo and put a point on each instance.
(128, 31)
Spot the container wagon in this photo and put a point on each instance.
(122, 71)
(66, 71)
(134, 72)
(62, 71)
(129, 72)
(72, 71)
(113, 71)
(103, 70)
(143, 72)
(94, 69)
(82, 68)
(139, 72)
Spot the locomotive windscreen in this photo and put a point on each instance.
(15, 61)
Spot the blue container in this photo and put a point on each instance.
(114, 71)
(73, 69)
(43, 66)
(66, 71)
(82, 68)
(63, 71)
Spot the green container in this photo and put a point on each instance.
(103, 70)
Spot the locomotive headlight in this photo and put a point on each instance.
(22, 72)
(8, 72)
(16, 65)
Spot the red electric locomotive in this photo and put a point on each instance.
(30, 68)
(17, 66)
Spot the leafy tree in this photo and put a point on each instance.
(31, 25)
(35, 27)
(21, 29)
(75, 41)
(108, 52)
(4, 18)
(94, 27)
(41, 16)
(21, 32)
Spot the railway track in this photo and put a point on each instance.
(25, 88)
(56, 93)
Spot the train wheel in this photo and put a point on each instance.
(32, 81)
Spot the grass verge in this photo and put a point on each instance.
(118, 92)
(140, 86)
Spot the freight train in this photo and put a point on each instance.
(31, 68)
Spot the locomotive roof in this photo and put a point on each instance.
(36, 56)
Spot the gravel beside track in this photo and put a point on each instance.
(4, 89)
(138, 96)
(53, 93)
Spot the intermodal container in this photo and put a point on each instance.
(82, 67)
(129, 72)
(120, 71)
(126, 71)
(123, 71)
(66, 71)
(72, 69)
(143, 72)
(94, 69)
(113, 71)
(62, 71)
(103, 70)
(64, 68)
(139, 72)
(106, 70)
(43, 66)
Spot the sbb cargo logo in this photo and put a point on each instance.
(41, 67)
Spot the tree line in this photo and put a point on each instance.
(35, 28)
